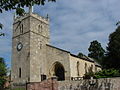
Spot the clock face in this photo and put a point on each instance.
(19, 46)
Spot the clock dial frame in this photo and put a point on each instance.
(19, 46)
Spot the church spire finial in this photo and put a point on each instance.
(14, 16)
(30, 9)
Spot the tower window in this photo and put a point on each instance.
(40, 44)
(19, 72)
(40, 28)
(21, 28)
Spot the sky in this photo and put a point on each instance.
(73, 24)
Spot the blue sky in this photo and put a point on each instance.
(73, 24)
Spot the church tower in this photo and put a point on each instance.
(30, 36)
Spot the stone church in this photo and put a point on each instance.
(34, 59)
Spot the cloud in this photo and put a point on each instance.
(6, 41)
(73, 24)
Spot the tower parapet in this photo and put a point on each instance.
(41, 18)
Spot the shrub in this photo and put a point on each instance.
(88, 75)
(106, 73)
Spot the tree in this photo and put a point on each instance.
(112, 59)
(96, 51)
(1, 34)
(1, 26)
(19, 5)
(3, 72)
(80, 55)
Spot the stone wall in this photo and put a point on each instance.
(44, 85)
(98, 84)
(53, 84)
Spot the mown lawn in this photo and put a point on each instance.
(16, 89)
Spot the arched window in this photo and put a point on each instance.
(91, 68)
(41, 27)
(38, 28)
(78, 64)
(86, 68)
(19, 72)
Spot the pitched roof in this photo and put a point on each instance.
(83, 58)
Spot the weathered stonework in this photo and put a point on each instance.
(55, 55)
(35, 57)
(98, 84)
(30, 59)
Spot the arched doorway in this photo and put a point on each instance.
(59, 71)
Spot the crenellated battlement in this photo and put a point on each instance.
(41, 18)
